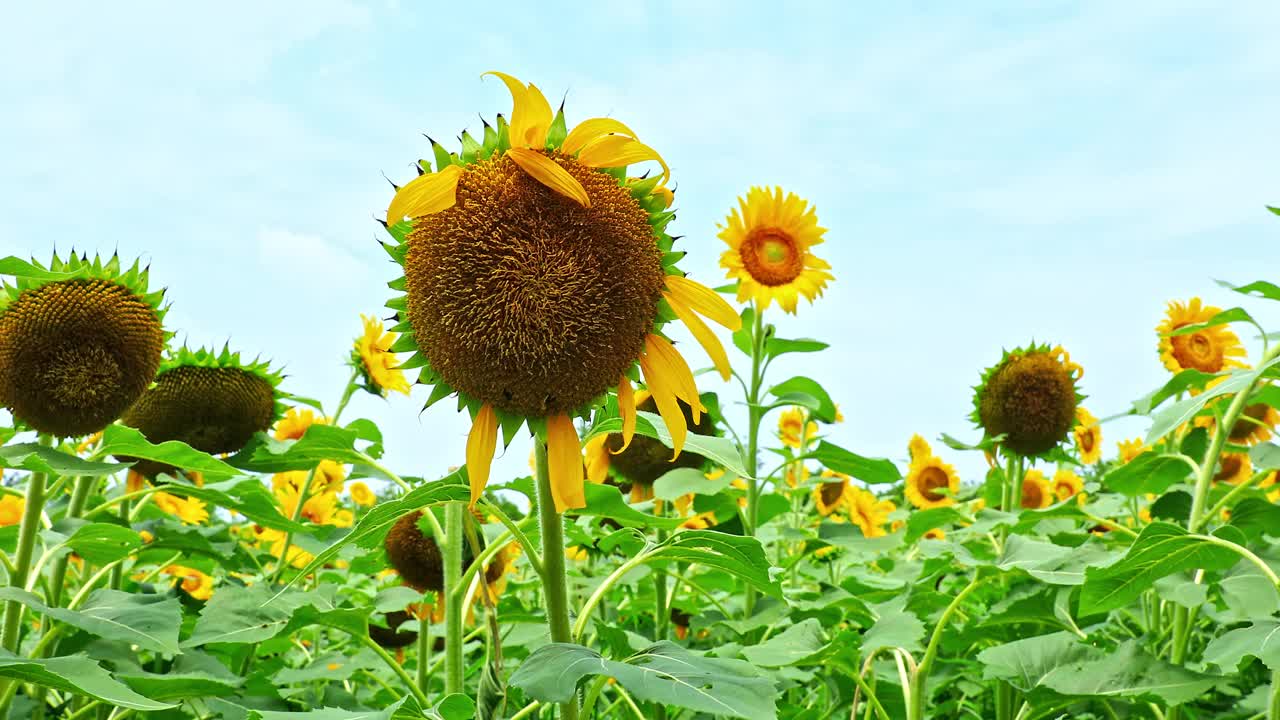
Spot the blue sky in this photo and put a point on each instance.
(988, 172)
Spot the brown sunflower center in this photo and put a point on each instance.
(1087, 440)
(525, 299)
(645, 459)
(932, 479)
(831, 492)
(1032, 494)
(1228, 466)
(1252, 419)
(772, 256)
(1199, 351)
(1031, 399)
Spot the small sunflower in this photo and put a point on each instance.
(797, 474)
(1233, 468)
(373, 359)
(1030, 397)
(1211, 350)
(935, 534)
(926, 478)
(868, 512)
(191, 511)
(1255, 425)
(330, 477)
(701, 521)
(193, 582)
(918, 448)
(213, 402)
(11, 507)
(1088, 434)
(794, 427)
(770, 239)
(832, 495)
(361, 494)
(295, 422)
(1036, 491)
(538, 277)
(79, 343)
(1130, 449)
(1066, 484)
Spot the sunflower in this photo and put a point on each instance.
(701, 521)
(295, 422)
(935, 534)
(770, 239)
(79, 343)
(1065, 484)
(321, 508)
(797, 474)
(11, 507)
(1234, 468)
(213, 402)
(1130, 449)
(868, 512)
(1088, 434)
(1211, 350)
(1255, 424)
(194, 583)
(644, 460)
(1029, 397)
(330, 477)
(373, 359)
(191, 511)
(832, 494)
(793, 429)
(918, 448)
(361, 494)
(1036, 492)
(926, 478)
(537, 276)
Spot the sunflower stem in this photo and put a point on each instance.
(75, 508)
(31, 513)
(554, 586)
(919, 693)
(453, 667)
(754, 416)
(424, 655)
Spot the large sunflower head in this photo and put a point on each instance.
(537, 277)
(644, 460)
(1036, 490)
(1210, 350)
(770, 238)
(414, 554)
(1088, 436)
(931, 483)
(1029, 397)
(213, 401)
(80, 341)
(1256, 424)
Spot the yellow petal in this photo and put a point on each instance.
(549, 173)
(668, 408)
(704, 300)
(530, 113)
(702, 334)
(539, 118)
(480, 446)
(589, 130)
(619, 150)
(427, 194)
(627, 410)
(564, 463)
(670, 364)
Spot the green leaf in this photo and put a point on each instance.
(122, 441)
(1256, 517)
(1048, 562)
(1161, 549)
(775, 346)
(1180, 383)
(1230, 315)
(179, 685)
(721, 451)
(806, 392)
(1261, 639)
(456, 707)
(682, 481)
(922, 521)
(17, 267)
(246, 495)
(734, 554)
(1150, 472)
(873, 471)
(238, 614)
(1258, 288)
(321, 442)
(38, 458)
(1183, 411)
(150, 622)
(102, 543)
(662, 673)
(789, 647)
(77, 674)
(895, 627)
(1265, 456)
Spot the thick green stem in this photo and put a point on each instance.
(26, 545)
(452, 548)
(1273, 708)
(75, 508)
(400, 672)
(117, 571)
(754, 417)
(424, 655)
(919, 693)
(555, 586)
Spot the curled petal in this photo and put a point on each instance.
(627, 410)
(530, 112)
(588, 130)
(549, 173)
(619, 150)
(481, 442)
(665, 193)
(663, 396)
(668, 362)
(426, 195)
(564, 463)
(702, 334)
(704, 300)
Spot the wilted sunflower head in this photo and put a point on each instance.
(212, 401)
(536, 276)
(79, 342)
(416, 556)
(1029, 397)
(645, 459)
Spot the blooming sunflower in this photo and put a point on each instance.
(191, 511)
(1234, 468)
(377, 364)
(79, 343)
(868, 512)
(793, 429)
(11, 507)
(918, 448)
(926, 477)
(1036, 491)
(1211, 350)
(832, 494)
(295, 422)
(1066, 484)
(770, 239)
(213, 402)
(1029, 397)
(361, 494)
(194, 583)
(1130, 449)
(330, 477)
(1088, 435)
(537, 276)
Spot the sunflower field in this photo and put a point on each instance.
(185, 535)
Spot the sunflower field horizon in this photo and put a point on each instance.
(804, 363)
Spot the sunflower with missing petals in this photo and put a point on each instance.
(537, 278)
(1233, 468)
(1130, 449)
(832, 494)
(640, 463)
(770, 238)
(1030, 397)
(931, 483)
(794, 427)
(1036, 490)
(295, 422)
(373, 359)
(1066, 484)
(868, 512)
(1210, 350)
(1088, 436)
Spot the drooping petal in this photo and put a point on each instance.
(481, 442)
(425, 195)
(618, 150)
(665, 399)
(702, 334)
(590, 129)
(549, 173)
(564, 463)
(530, 112)
(704, 300)
(670, 364)
(627, 410)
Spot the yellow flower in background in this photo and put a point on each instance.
(343, 518)
(374, 360)
(89, 443)
(320, 508)
(797, 474)
(295, 422)
(1255, 425)
(195, 583)
(701, 521)
(832, 495)
(330, 478)
(1066, 484)
(361, 494)
(1211, 350)
(273, 540)
(1088, 434)
(918, 448)
(868, 512)
(770, 238)
(1234, 468)
(839, 414)
(1130, 449)
(11, 507)
(935, 534)
(575, 553)
(1036, 492)
(596, 453)
(499, 568)
(146, 536)
(793, 429)
(927, 478)
(191, 511)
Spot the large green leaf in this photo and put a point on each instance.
(265, 454)
(239, 614)
(150, 622)
(102, 543)
(1050, 563)
(1258, 288)
(734, 554)
(663, 673)
(775, 346)
(77, 674)
(1182, 411)
(246, 495)
(789, 647)
(1261, 639)
(682, 481)
(895, 627)
(38, 458)
(721, 451)
(806, 392)
(1148, 473)
(122, 441)
(873, 471)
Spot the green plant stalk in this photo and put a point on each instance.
(754, 418)
(452, 546)
(424, 655)
(580, 626)
(1273, 707)
(31, 514)
(400, 672)
(75, 508)
(117, 571)
(554, 586)
(919, 692)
